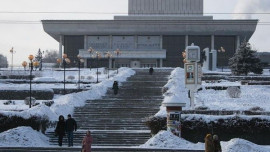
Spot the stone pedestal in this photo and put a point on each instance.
(174, 116)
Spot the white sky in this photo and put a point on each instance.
(28, 38)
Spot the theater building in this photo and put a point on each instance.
(154, 33)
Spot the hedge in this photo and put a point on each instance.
(10, 122)
(22, 94)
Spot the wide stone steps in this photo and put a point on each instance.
(144, 84)
(119, 120)
(107, 138)
(123, 101)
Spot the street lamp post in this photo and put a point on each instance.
(12, 52)
(41, 61)
(80, 60)
(117, 52)
(98, 56)
(108, 55)
(65, 61)
(30, 57)
(90, 50)
(222, 50)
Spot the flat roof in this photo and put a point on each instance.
(242, 28)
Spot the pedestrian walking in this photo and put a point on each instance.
(71, 125)
(87, 142)
(216, 142)
(60, 129)
(151, 71)
(209, 146)
(115, 87)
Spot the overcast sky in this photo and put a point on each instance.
(27, 38)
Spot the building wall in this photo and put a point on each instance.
(94, 63)
(165, 7)
(174, 45)
(72, 44)
(229, 44)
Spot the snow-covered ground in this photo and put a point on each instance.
(251, 96)
(64, 104)
(166, 140)
(72, 75)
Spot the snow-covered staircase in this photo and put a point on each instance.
(118, 120)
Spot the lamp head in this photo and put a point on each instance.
(11, 50)
(64, 56)
(24, 63)
(58, 60)
(31, 57)
(90, 50)
(67, 60)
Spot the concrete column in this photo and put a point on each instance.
(110, 63)
(85, 42)
(111, 42)
(60, 48)
(212, 42)
(237, 43)
(136, 41)
(186, 41)
(161, 63)
(85, 62)
(161, 41)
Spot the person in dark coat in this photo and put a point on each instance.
(115, 87)
(87, 142)
(216, 142)
(60, 129)
(71, 125)
(209, 146)
(151, 70)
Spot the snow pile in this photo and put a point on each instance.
(240, 145)
(44, 79)
(165, 139)
(38, 111)
(23, 137)
(64, 105)
(176, 90)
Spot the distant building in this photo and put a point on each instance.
(154, 33)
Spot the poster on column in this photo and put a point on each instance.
(174, 123)
(190, 73)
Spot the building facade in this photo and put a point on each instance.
(153, 34)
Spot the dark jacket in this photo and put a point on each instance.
(71, 125)
(60, 128)
(217, 147)
(151, 70)
(115, 86)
